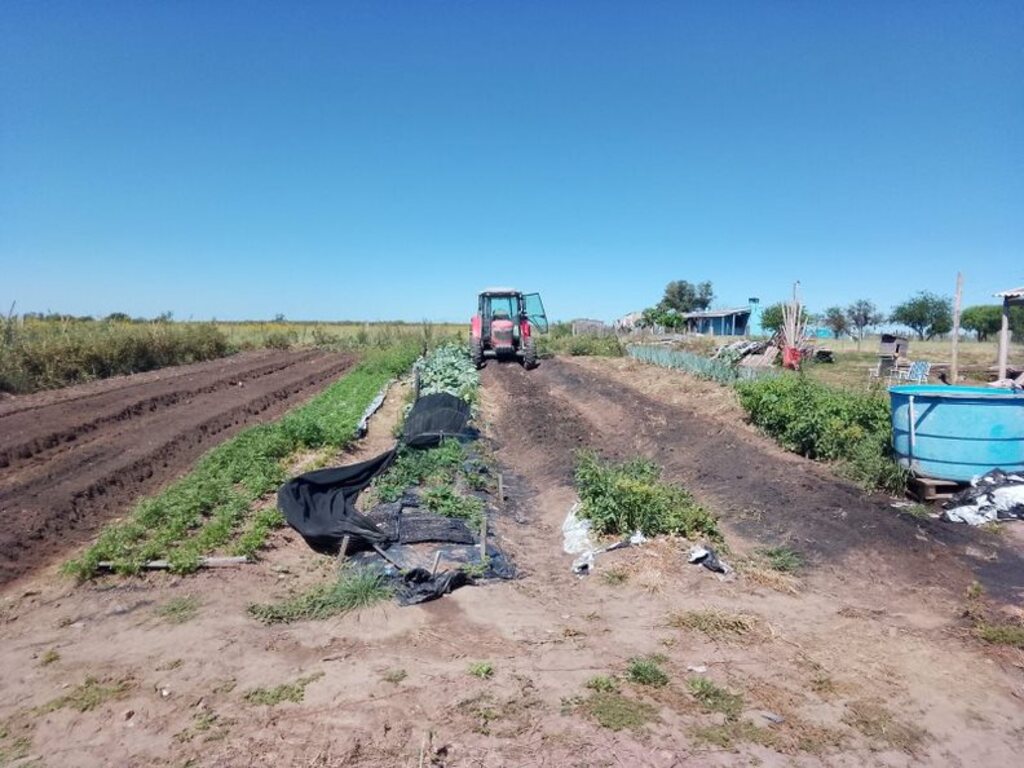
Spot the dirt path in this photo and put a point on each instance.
(73, 458)
(832, 670)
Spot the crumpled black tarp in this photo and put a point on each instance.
(418, 586)
(320, 505)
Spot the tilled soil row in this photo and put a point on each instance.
(761, 492)
(60, 496)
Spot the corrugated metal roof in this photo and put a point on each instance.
(1013, 293)
(717, 313)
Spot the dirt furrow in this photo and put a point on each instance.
(49, 506)
(38, 433)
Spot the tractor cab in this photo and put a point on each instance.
(504, 325)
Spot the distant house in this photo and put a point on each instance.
(736, 321)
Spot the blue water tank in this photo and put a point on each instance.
(957, 433)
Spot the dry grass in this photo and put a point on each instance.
(719, 625)
(880, 726)
(765, 576)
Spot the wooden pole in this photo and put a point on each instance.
(1004, 339)
(483, 538)
(954, 365)
(343, 551)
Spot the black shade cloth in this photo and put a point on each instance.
(320, 505)
(433, 418)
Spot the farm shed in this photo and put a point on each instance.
(720, 322)
(1012, 297)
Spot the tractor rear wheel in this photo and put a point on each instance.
(476, 351)
(529, 353)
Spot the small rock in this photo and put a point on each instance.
(128, 714)
(771, 717)
(165, 692)
(280, 569)
(700, 669)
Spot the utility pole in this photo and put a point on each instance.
(954, 366)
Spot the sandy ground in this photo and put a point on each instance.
(862, 659)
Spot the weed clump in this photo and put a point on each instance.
(88, 696)
(624, 498)
(616, 712)
(354, 589)
(482, 669)
(782, 559)
(646, 670)
(178, 610)
(293, 692)
(603, 684)
(714, 698)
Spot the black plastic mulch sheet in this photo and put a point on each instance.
(320, 505)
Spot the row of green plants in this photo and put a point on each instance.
(829, 424)
(622, 498)
(213, 509)
(448, 368)
(45, 354)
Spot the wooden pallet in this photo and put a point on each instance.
(933, 489)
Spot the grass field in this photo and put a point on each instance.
(48, 353)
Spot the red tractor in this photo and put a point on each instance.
(504, 325)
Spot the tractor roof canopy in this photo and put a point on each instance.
(499, 292)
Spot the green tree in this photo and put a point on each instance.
(683, 296)
(666, 318)
(927, 314)
(984, 319)
(835, 320)
(863, 314)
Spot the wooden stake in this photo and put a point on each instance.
(387, 557)
(204, 562)
(1004, 339)
(501, 489)
(483, 538)
(343, 551)
(954, 365)
(437, 559)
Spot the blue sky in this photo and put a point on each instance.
(377, 159)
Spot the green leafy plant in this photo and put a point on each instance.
(603, 684)
(782, 559)
(646, 670)
(482, 669)
(829, 424)
(623, 498)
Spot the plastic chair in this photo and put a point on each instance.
(917, 372)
